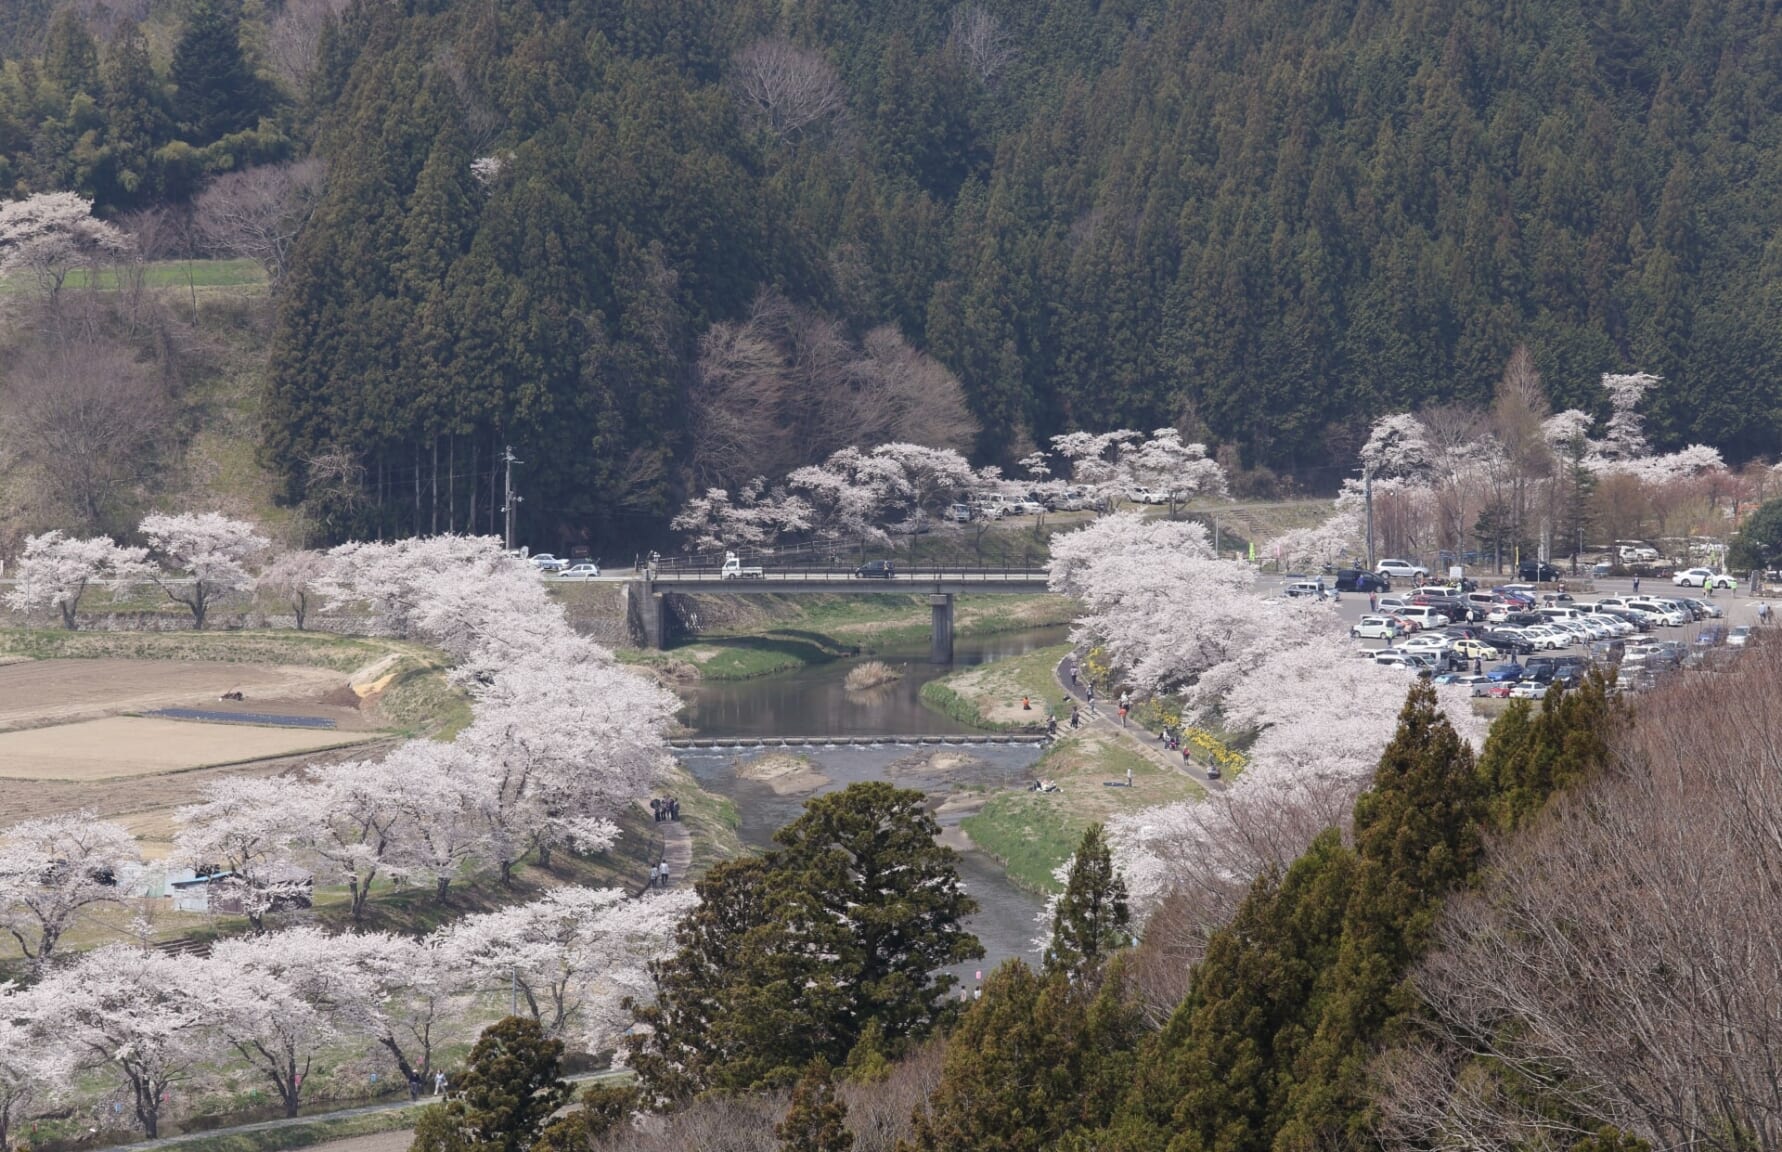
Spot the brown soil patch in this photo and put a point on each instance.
(140, 796)
(784, 773)
(42, 692)
(122, 746)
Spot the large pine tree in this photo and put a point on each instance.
(216, 92)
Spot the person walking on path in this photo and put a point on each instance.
(1373, 601)
(1636, 585)
(439, 1084)
(1122, 715)
(1129, 775)
(1073, 673)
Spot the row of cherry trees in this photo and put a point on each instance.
(864, 494)
(1457, 478)
(155, 1024)
(1175, 621)
(561, 740)
(196, 558)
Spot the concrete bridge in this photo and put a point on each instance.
(940, 585)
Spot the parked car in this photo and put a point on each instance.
(1424, 615)
(1531, 690)
(959, 513)
(1707, 609)
(876, 570)
(1738, 637)
(1710, 636)
(1608, 651)
(1377, 628)
(1392, 603)
(545, 562)
(1507, 673)
(1703, 578)
(1356, 580)
(1426, 642)
(587, 570)
(1669, 616)
(1303, 589)
(1025, 507)
(1509, 640)
(1401, 570)
(1536, 571)
(1467, 680)
(1475, 650)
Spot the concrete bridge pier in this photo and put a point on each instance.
(649, 613)
(940, 648)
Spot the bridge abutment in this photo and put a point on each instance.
(940, 647)
(649, 612)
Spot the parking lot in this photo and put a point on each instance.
(1740, 609)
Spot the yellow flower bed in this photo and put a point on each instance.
(1214, 749)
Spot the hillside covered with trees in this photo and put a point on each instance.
(1264, 223)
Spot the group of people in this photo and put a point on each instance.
(665, 808)
(416, 1085)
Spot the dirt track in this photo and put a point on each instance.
(117, 747)
(42, 692)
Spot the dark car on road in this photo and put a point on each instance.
(1534, 571)
(1504, 673)
(877, 570)
(1355, 580)
(1504, 642)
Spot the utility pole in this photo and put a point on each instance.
(1367, 493)
(508, 499)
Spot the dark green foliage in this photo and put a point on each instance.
(816, 1120)
(1293, 997)
(826, 947)
(216, 93)
(1758, 542)
(603, 1108)
(1036, 1057)
(1090, 921)
(505, 1095)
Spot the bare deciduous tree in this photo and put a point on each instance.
(258, 213)
(294, 41)
(787, 89)
(786, 387)
(979, 39)
(86, 418)
(1623, 965)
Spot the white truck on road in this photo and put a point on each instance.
(733, 569)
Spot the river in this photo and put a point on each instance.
(813, 702)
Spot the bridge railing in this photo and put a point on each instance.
(923, 574)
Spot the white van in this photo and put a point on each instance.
(1423, 614)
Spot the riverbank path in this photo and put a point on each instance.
(1135, 738)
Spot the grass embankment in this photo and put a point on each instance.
(772, 634)
(1032, 833)
(989, 696)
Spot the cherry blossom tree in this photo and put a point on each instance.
(213, 551)
(34, 1069)
(848, 494)
(56, 570)
(575, 956)
(1093, 461)
(1625, 437)
(1182, 472)
(755, 517)
(567, 738)
(52, 868)
(53, 233)
(350, 816)
(247, 828)
(134, 1014)
(459, 593)
(442, 793)
(293, 578)
(1397, 445)
(1325, 543)
(270, 998)
(1156, 598)
(397, 991)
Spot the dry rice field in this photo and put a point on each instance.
(123, 746)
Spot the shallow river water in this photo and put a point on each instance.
(813, 701)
